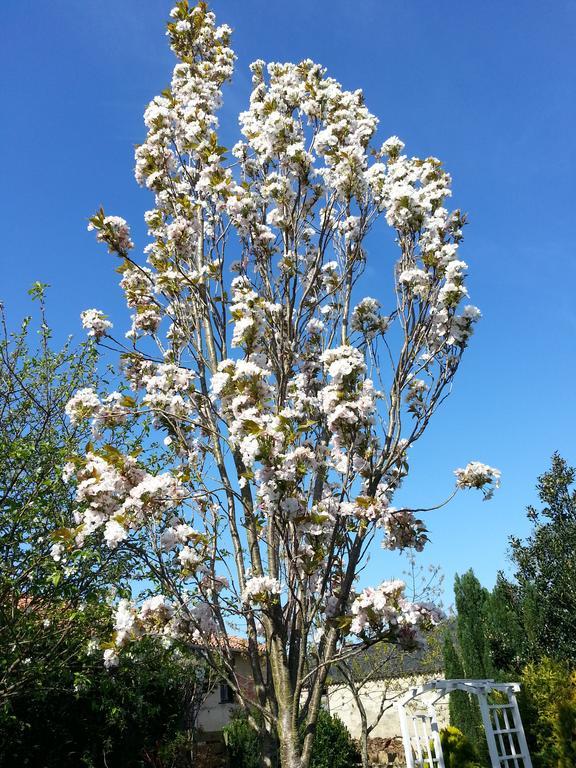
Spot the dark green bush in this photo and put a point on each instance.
(333, 745)
(242, 742)
(93, 717)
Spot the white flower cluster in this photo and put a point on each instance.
(365, 508)
(170, 391)
(416, 396)
(296, 464)
(112, 230)
(111, 413)
(95, 323)
(480, 476)
(57, 551)
(251, 315)
(175, 534)
(180, 160)
(417, 280)
(118, 495)
(85, 404)
(348, 402)
(367, 320)
(242, 207)
(260, 589)
(315, 326)
(192, 552)
(343, 364)
(299, 93)
(384, 612)
(183, 122)
(408, 189)
(412, 192)
(137, 282)
(403, 530)
(159, 617)
(451, 329)
(82, 405)
(453, 289)
(130, 623)
(246, 397)
(111, 658)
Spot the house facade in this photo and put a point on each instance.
(377, 696)
(220, 703)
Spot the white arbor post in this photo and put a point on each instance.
(420, 731)
(501, 718)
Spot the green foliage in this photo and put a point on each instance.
(544, 601)
(546, 567)
(471, 659)
(505, 635)
(58, 705)
(463, 716)
(48, 609)
(243, 743)
(175, 752)
(565, 732)
(92, 717)
(457, 749)
(549, 711)
(471, 600)
(548, 693)
(527, 628)
(333, 746)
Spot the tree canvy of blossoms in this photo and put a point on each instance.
(285, 407)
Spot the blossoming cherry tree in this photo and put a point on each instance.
(285, 402)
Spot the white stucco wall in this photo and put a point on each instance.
(214, 715)
(340, 701)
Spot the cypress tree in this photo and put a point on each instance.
(471, 604)
(471, 660)
(462, 715)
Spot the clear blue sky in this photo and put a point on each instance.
(486, 86)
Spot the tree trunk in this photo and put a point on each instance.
(289, 748)
(290, 752)
(363, 735)
(364, 748)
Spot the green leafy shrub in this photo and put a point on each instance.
(548, 702)
(59, 706)
(242, 742)
(333, 745)
(93, 717)
(566, 734)
(178, 751)
(457, 749)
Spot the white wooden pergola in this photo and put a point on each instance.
(500, 715)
